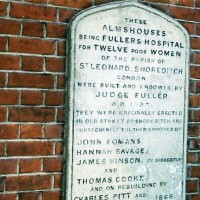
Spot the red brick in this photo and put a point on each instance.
(2, 148)
(60, 81)
(66, 15)
(53, 131)
(2, 79)
(3, 114)
(30, 165)
(197, 58)
(33, 29)
(195, 43)
(57, 181)
(192, 57)
(61, 48)
(31, 114)
(24, 183)
(185, 13)
(193, 130)
(30, 80)
(189, 27)
(197, 144)
(32, 97)
(31, 131)
(197, 29)
(191, 186)
(54, 98)
(55, 64)
(8, 62)
(29, 148)
(27, 11)
(9, 27)
(59, 148)
(36, 1)
(3, 8)
(197, 86)
(72, 3)
(56, 30)
(29, 196)
(98, 2)
(53, 195)
(190, 116)
(9, 97)
(8, 166)
(195, 197)
(3, 42)
(186, 2)
(60, 115)
(31, 63)
(197, 3)
(52, 164)
(8, 196)
(8, 131)
(192, 86)
(195, 72)
(195, 172)
(191, 158)
(30, 45)
(196, 114)
(194, 101)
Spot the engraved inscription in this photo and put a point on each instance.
(128, 105)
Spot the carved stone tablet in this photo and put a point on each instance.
(128, 97)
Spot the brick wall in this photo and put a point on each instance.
(32, 81)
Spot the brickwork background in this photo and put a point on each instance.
(32, 82)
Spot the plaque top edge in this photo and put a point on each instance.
(102, 7)
(121, 4)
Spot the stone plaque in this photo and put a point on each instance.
(128, 97)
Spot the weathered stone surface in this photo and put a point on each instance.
(128, 105)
